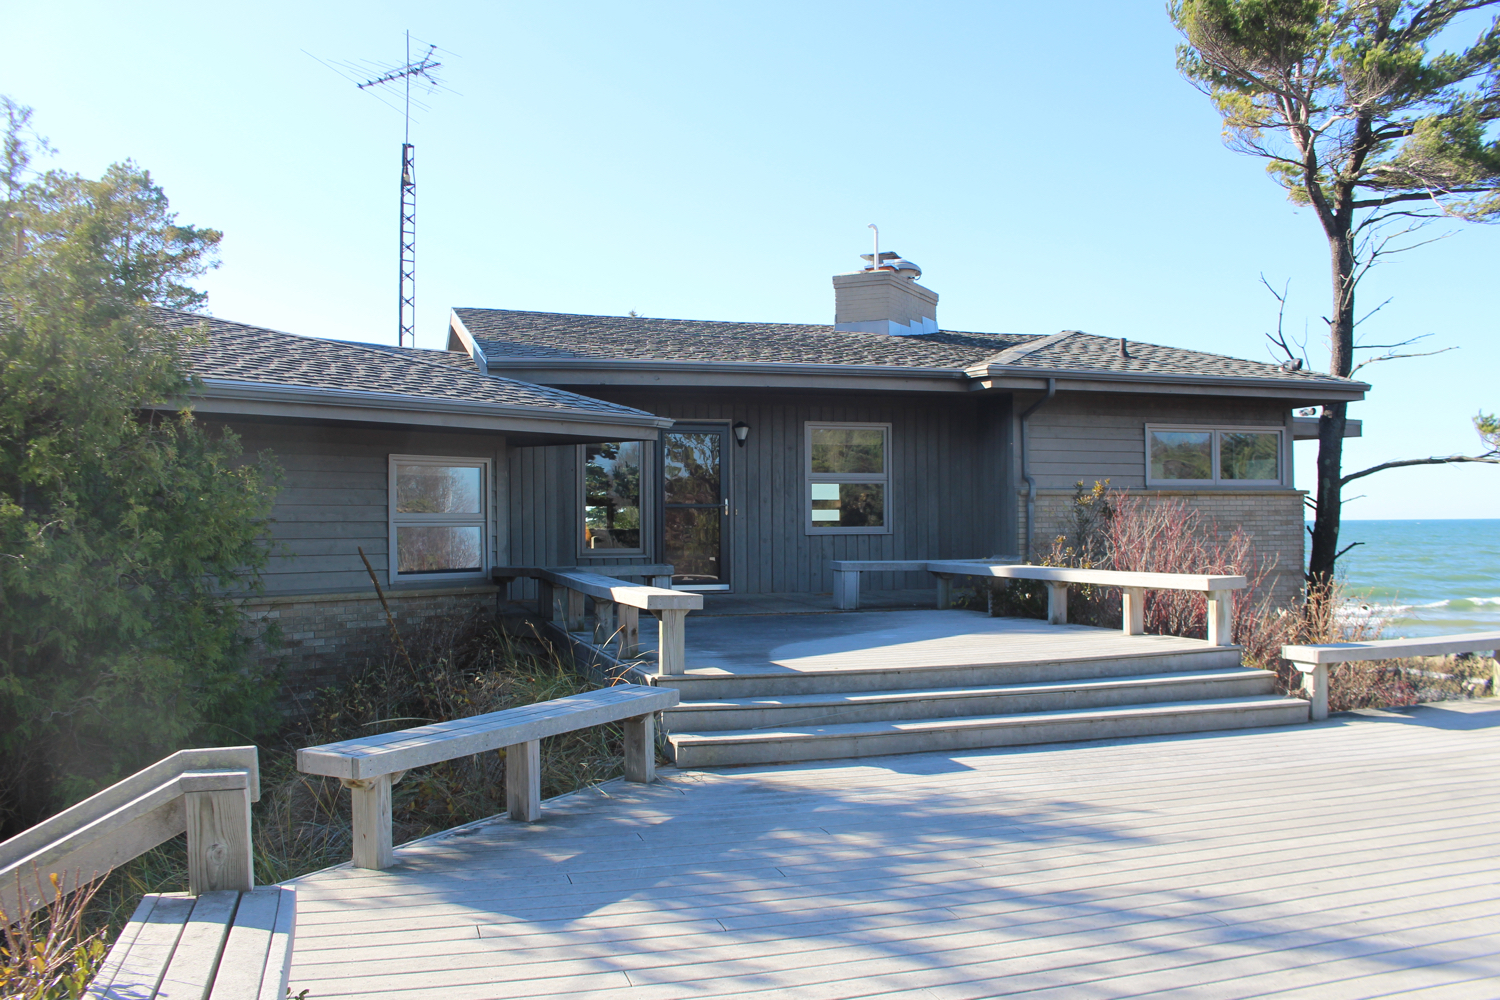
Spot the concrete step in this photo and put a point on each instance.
(869, 739)
(776, 683)
(944, 703)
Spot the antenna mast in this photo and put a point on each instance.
(406, 313)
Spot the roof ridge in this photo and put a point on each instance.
(1018, 351)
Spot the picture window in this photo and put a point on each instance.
(1213, 456)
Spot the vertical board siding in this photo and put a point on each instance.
(943, 487)
(333, 498)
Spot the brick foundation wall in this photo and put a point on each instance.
(1273, 519)
(325, 637)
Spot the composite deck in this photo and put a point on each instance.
(1355, 858)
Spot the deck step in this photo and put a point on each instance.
(868, 739)
(938, 703)
(703, 686)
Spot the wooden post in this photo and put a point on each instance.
(523, 781)
(546, 602)
(370, 809)
(664, 582)
(604, 621)
(1134, 601)
(846, 589)
(1220, 614)
(630, 632)
(573, 614)
(217, 804)
(671, 641)
(1057, 604)
(944, 590)
(1315, 683)
(640, 749)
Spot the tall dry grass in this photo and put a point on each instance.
(50, 954)
(460, 665)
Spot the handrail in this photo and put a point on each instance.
(369, 766)
(1313, 660)
(205, 792)
(1134, 585)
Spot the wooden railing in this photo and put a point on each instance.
(1313, 661)
(368, 767)
(617, 610)
(206, 793)
(1219, 589)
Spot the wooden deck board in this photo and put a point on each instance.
(1345, 860)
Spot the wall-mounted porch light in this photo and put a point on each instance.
(741, 431)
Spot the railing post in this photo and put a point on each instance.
(944, 590)
(664, 582)
(846, 589)
(1134, 601)
(217, 804)
(630, 631)
(640, 749)
(523, 781)
(671, 645)
(604, 621)
(370, 810)
(1220, 614)
(1057, 604)
(573, 614)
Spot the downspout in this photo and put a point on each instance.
(1025, 465)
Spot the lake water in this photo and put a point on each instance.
(1424, 577)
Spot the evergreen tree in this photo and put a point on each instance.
(124, 528)
(1361, 120)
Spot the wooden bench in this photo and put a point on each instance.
(1058, 579)
(368, 767)
(220, 945)
(1313, 661)
(622, 603)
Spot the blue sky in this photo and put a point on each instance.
(1045, 165)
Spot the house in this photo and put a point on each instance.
(747, 455)
(883, 436)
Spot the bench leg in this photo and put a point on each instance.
(944, 591)
(1057, 604)
(846, 589)
(640, 749)
(1315, 683)
(671, 651)
(573, 614)
(546, 602)
(218, 833)
(1134, 600)
(630, 632)
(523, 781)
(604, 622)
(1220, 614)
(371, 812)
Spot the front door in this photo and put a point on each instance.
(695, 506)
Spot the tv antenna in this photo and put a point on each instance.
(397, 81)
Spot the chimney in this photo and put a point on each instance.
(884, 298)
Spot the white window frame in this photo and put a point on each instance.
(1215, 430)
(581, 485)
(809, 478)
(483, 519)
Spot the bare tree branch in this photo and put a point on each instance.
(1398, 357)
(1488, 458)
(1279, 340)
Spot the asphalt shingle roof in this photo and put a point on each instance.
(241, 353)
(511, 333)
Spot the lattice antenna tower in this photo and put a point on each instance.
(417, 71)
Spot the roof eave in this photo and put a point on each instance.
(1016, 377)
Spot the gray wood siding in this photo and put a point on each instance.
(333, 500)
(946, 498)
(1092, 436)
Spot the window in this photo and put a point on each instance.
(439, 516)
(1213, 456)
(848, 472)
(612, 498)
